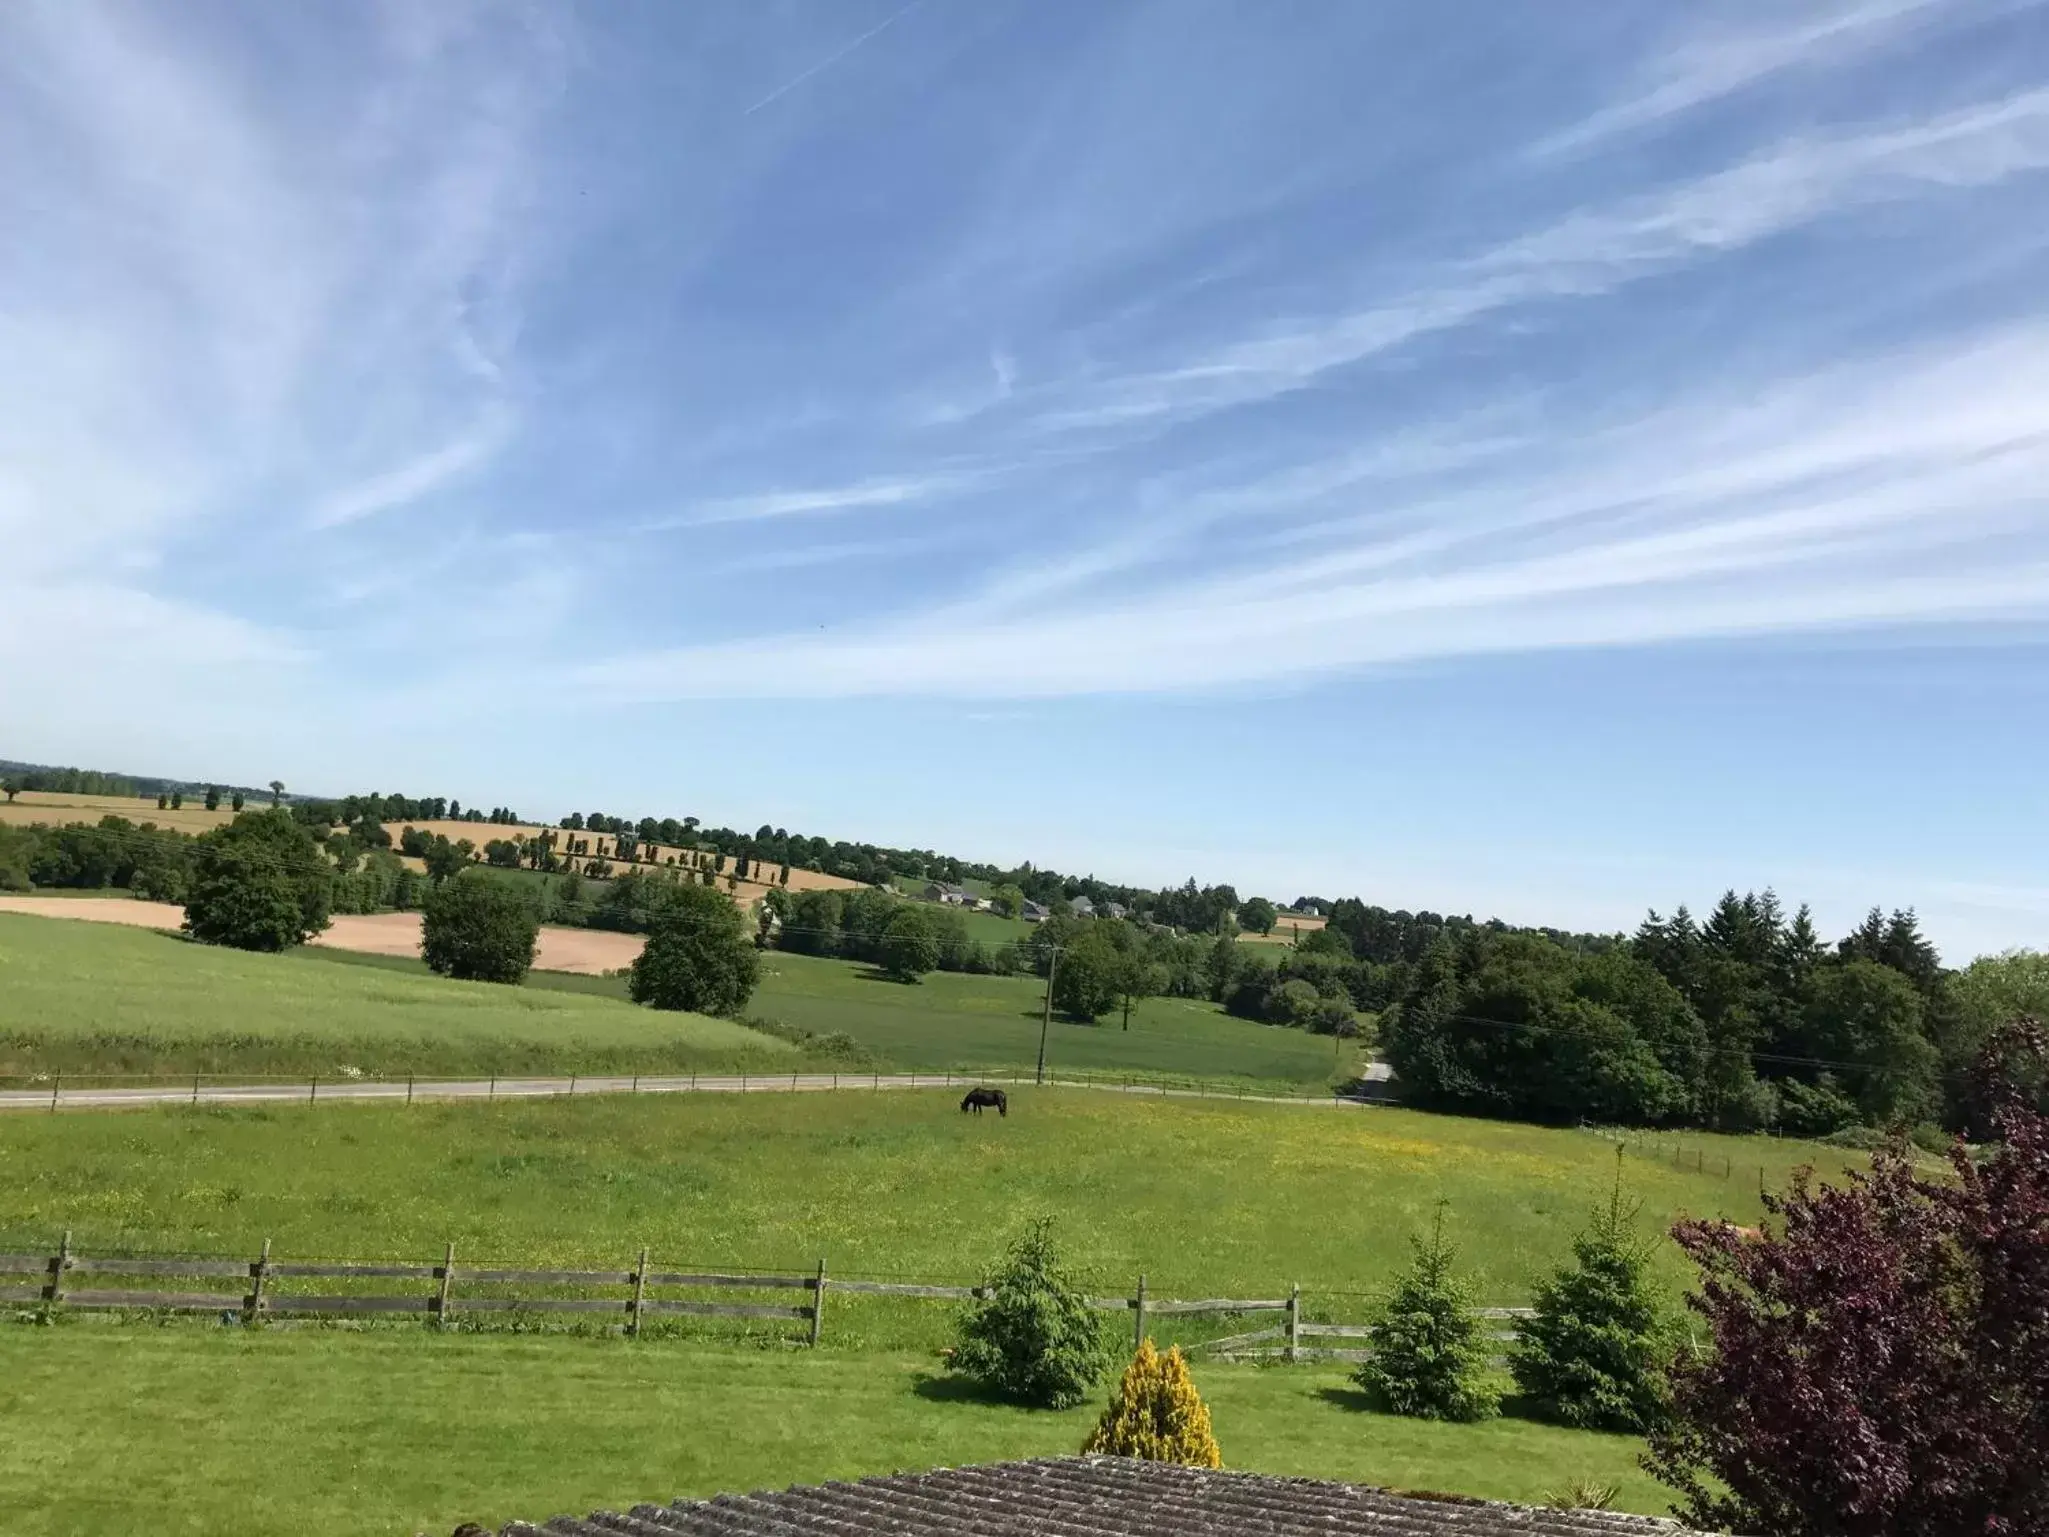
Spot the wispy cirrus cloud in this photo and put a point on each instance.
(419, 477)
(1904, 489)
(1587, 254)
(1708, 68)
(814, 501)
(218, 307)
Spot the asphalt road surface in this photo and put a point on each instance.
(88, 1096)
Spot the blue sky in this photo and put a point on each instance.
(1544, 461)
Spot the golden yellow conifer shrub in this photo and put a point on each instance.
(1156, 1415)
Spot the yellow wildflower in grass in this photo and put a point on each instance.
(1156, 1415)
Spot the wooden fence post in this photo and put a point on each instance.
(409, 1088)
(56, 1086)
(1138, 1307)
(639, 1294)
(54, 1292)
(312, 1089)
(1295, 1323)
(818, 1302)
(195, 1088)
(447, 1279)
(258, 1274)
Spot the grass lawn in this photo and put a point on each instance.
(1208, 1198)
(218, 1433)
(78, 997)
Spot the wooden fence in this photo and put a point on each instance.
(445, 1291)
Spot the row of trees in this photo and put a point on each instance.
(153, 862)
(1743, 1021)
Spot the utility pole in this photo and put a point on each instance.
(1046, 1024)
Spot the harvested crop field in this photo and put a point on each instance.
(589, 952)
(58, 810)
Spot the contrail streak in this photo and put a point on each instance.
(827, 63)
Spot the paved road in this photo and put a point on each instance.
(86, 1097)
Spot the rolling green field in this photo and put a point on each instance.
(226, 1434)
(953, 1019)
(101, 997)
(1206, 1197)
(81, 998)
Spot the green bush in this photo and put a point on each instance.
(1429, 1356)
(479, 929)
(1036, 1339)
(698, 957)
(1594, 1356)
(910, 946)
(260, 883)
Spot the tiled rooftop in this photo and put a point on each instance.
(1095, 1497)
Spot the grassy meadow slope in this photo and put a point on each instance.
(954, 1019)
(1206, 1197)
(99, 997)
(93, 997)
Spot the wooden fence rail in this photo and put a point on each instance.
(439, 1299)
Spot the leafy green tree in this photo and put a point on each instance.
(1429, 1356)
(259, 883)
(177, 800)
(910, 948)
(10, 788)
(1594, 1354)
(1089, 977)
(277, 791)
(1293, 1003)
(235, 802)
(1007, 900)
(17, 852)
(698, 957)
(814, 923)
(1870, 1014)
(443, 858)
(1035, 1338)
(213, 797)
(479, 929)
(1258, 916)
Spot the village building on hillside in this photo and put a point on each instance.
(1096, 1497)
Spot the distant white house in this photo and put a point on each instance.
(952, 896)
(1083, 907)
(1114, 910)
(1034, 913)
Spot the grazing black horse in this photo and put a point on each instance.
(979, 1100)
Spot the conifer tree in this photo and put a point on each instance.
(1156, 1415)
(1033, 1337)
(1429, 1356)
(1594, 1355)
